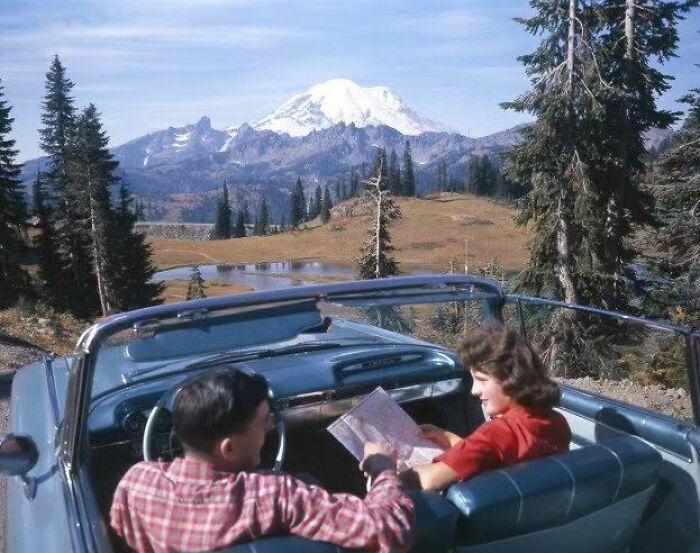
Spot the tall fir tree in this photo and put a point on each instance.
(677, 186)
(395, 185)
(326, 206)
(553, 154)
(222, 226)
(92, 170)
(315, 203)
(262, 222)
(46, 245)
(196, 289)
(375, 259)
(239, 230)
(638, 36)
(13, 214)
(297, 205)
(133, 286)
(69, 210)
(408, 177)
(353, 184)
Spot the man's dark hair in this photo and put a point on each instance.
(216, 405)
(501, 352)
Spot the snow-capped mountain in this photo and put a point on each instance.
(343, 101)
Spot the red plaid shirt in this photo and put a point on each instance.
(187, 506)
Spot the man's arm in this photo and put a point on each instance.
(384, 521)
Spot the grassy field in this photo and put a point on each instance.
(431, 233)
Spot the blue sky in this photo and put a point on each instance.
(150, 64)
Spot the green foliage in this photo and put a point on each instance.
(222, 225)
(408, 181)
(326, 206)
(297, 205)
(196, 289)
(13, 213)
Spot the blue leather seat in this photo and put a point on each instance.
(590, 499)
(437, 525)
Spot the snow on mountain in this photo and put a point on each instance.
(343, 101)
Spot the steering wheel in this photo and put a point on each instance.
(165, 404)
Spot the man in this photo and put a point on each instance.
(213, 497)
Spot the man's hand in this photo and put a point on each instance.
(378, 457)
(440, 437)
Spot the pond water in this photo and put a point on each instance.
(270, 276)
(263, 276)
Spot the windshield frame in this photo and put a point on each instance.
(78, 397)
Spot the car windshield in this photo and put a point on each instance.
(175, 338)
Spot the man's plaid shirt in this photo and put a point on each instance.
(187, 506)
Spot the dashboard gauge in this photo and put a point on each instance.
(134, 423)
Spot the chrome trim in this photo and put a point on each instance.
(51, 385)
(321, 409)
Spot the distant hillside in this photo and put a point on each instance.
(431, 233)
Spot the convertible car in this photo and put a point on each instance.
(631, 481)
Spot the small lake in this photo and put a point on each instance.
(263, 276)
(270, 276)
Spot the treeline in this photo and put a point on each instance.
(482, 177)
(90, 259)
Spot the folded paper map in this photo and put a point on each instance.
(378, 418)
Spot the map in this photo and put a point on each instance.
(378, 418)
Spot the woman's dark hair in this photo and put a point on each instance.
(501, 352)
(216, 405)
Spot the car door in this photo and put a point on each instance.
(625, 375)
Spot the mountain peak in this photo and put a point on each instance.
(344, 101)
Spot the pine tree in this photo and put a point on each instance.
(297, 205)
(353, 184)
(69, 208)
(553, 155)
(51, 270)
(678, 190)
(92, 173)
(395, 185)
(326, 206)
(196, 289)
(239, 229)
(409, 179)
(133, 286)
(13, 213)
(222, 226)
(263, 220)
(315, 203)
(637, 34)
(375, 260)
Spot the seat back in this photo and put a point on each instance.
(554, 499)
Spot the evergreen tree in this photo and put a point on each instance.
(70, 210)
(343, 192)
(263, 221)
(395, 185)
(133, 286)
(337, 191)
(380, 167)
(13, 214)
(326, 206)
(222, 226)
(553, 155)
(679, 200)
(46, 244)
(196, 289)
(239, 230)
(92, 173)
(353, 184)
(315, 203)
(297, 205)
(636, 34)
(375, 259)
(408, 177)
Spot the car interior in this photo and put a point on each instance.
(630, 477)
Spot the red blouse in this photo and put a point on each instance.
(518, 435)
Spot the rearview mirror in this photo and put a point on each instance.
(18, 454)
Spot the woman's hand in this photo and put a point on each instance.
(440, 437)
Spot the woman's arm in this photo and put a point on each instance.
(439, 436)
(431, 476)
